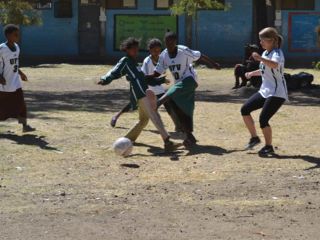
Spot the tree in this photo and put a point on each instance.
(191, 8)
(19, 12)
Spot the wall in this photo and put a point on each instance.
(56, 37)
(144, 7)
(285, 32)
(223, 34)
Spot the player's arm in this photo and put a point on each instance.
(256, 73)
(150, 79)
(159, 69)
(156, 81)
(2, 79)
(116, 72)
(273, 63)
(204, 59)
(23, 76)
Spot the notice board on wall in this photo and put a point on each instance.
(304, 31)
(142, 27)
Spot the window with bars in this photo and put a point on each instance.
(41, 4)
(166, 4)
(111, 4)
(63, 9)
(298, 4)
(163, 4)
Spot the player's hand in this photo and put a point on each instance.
(248, 75)
(99, 82)
(2, 80)
(23, 77)
(167, 81)
(256, 56)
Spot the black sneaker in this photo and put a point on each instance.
(170, 146)
(268, 149)
(254, 141)
(192, 138)
(28, 128)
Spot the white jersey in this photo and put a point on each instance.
(9, 68)
(148, 69)
(181, 65)
(273, 81)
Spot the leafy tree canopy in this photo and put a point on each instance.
(19, 12)
(190, 7)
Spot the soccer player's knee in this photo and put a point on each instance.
(264, 122)
(150, 94)
(245, 111)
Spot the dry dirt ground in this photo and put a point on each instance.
(64, 182)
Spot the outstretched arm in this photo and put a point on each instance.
(116, 72)
(209, 62)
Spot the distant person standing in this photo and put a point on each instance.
(273, 92)
(12, 104)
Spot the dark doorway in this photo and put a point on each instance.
(263, 16)
(89, 27)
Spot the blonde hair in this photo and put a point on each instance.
(271, 33)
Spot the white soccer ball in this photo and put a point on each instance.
(123, 146)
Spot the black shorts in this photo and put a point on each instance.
(269, 107)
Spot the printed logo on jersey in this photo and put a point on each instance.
(175, 70)
(14, 61)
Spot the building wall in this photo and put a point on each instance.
(144, 7)
(285, 32)
(223, 34)
(55, 37)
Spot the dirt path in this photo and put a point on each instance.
(63, 182)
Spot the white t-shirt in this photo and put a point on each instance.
(181, 65)
(148, 69)
(273, 81)
(9, 68)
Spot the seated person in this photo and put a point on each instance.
(248, 65)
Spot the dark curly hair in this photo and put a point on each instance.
(129, 43)
(10, 28)
(170, 35)
(154, 42)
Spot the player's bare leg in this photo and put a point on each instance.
(115, 118)
(249, 122)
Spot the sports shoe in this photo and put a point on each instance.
(28, 128)
(113, 121)
(190, 141)
(170, 146)
(253, 142)
(268, 149)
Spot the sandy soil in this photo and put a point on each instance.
(64, 182)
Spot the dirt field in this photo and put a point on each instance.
(63, 181)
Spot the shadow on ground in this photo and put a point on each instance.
(114, 100)
(90, 101)
(307, 158)
(29, 139)
(304, 97)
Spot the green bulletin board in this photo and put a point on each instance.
(142, 27)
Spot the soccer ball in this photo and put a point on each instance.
(123, 147)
